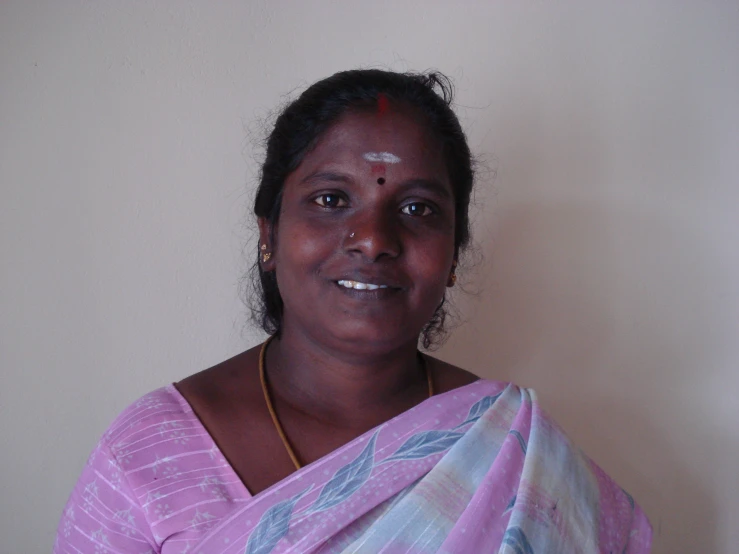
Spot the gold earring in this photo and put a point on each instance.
(265, 255)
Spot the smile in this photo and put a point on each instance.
(357, 285)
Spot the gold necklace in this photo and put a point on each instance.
(271, 408)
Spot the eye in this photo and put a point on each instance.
(417, 208)
(330, 201)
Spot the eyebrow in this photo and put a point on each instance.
(327, 176)
(432, 185)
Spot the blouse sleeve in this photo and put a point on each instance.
(103, 514)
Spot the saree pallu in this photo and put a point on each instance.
(480, 469)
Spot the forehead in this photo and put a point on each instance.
(398, 132)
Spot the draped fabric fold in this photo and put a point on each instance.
(478, 469)
(481, 469)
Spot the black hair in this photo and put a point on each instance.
(301, 123)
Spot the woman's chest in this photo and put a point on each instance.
(261, 450)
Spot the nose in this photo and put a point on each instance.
(373, 235)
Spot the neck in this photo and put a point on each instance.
(330, 384)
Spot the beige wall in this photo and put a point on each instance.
(611, 268)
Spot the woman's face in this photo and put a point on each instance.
(365, 239)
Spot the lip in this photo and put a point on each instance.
(383, 279)
(377, 276)
(366, 294)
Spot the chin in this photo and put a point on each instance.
(372, 338)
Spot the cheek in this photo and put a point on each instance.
(431, 263)
(300, 242)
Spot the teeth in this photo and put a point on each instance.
(360, 286)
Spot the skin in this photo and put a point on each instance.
(347, 360)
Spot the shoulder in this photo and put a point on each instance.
(104, 506)
(224, 390)
(446, 376)
(559, 468)
(151, 413)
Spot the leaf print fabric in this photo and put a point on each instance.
(478, 469)
(479, 408)
(347, 480)
(272, 527)
(425, 444)
(516, 539)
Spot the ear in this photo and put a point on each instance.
(452, 275)
(266, 238)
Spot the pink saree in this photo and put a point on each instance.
(478, 469)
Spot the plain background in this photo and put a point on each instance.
(609, 275)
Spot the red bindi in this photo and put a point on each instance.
(382, 104)
(379, 170)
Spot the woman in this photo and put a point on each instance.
(325, 438)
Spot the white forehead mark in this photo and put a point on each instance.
(386, 157)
